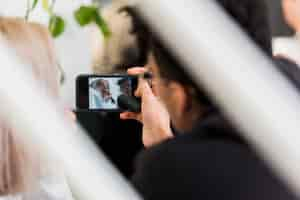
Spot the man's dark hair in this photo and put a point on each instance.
(251, 15)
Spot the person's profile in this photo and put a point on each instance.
(104, 92)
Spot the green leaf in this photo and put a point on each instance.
(90, 14)
(34, 4)
(102, 25)
(85, 15)
(56, 25)
(45, 5)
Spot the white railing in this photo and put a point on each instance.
(243, 82)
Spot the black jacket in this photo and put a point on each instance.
(209, 163)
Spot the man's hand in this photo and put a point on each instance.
(291, 10)
(154, 116)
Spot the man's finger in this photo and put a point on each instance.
(141, 87)
(137, 70)
(127, 115)
(145, 89)
(130, 115)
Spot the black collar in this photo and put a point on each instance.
(216, 126)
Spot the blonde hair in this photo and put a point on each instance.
(19, 162)
(33, 45)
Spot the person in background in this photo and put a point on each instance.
(102, 97)
(208, 159)
(289, 47)
(287, 50)
(125, 86)
(25, 171)
(291, 9)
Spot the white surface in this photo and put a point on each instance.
(73, 47)
(287, 46)
(244, 83)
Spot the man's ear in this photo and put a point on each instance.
(179, 97)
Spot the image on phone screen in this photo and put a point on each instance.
(104, 91)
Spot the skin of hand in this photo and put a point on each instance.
(154, 116)
(70, 115)
(291, 10)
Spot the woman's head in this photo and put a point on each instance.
(32, 44)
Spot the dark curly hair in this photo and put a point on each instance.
(251, 15)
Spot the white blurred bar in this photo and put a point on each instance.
(243, 82)
(35, 116)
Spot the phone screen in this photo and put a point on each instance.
(102, 92)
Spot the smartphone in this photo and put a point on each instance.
(106, 93)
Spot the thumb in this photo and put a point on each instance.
(145, 90)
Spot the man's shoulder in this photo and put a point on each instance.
(209, 169)
(213, 135)
(212, 162)
(192, 148)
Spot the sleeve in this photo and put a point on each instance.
(212, 171)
